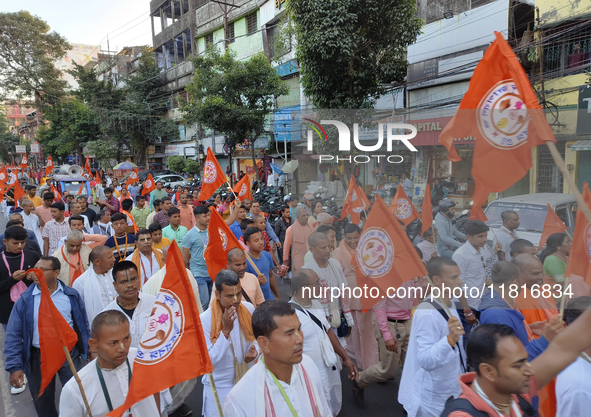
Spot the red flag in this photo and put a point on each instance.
(501, 111)
(133, 177)
(552, 224)
(427, 210)
(149, 185)
(24, 161)
(242, 189)
(49, 166)
(54, 334)
(87, 166)
(354, 203)
(173, 348)
(579, 260)
(213, 176)
(385, 257)
(402, 208)
(220, 240)
(55, 192)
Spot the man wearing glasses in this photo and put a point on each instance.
(21, 348)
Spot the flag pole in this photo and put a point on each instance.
(569, 179)
(215, 395)
(434, 234)
(77, 378)
(563, 297)
(252, 263)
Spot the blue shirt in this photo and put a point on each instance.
(235, 228)
(62, 303)
(196, 241)
(265, 265)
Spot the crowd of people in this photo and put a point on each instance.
(487, 353)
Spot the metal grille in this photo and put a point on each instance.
(549, 176)
(230, 34)
(569, 52)
(209, 39)
(251, 23)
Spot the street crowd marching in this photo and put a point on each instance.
(130, 305)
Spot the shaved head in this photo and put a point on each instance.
(524, 260)
(99, 252)
(235, 253)
(301, 211)
(315, 238)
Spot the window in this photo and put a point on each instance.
(230, 32)
(251, 23)
(209, 39)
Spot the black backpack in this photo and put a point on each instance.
(462, 404)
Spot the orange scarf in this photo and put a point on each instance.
(136, 259)
(129, 216)
(78, 269)
(244, 318)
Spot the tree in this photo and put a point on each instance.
(104, 151)
(27, 52)
(176, 163)
(232, 96)
(192, 167)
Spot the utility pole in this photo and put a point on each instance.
(226, 9)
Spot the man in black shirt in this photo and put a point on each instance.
(30, 244)
(87, 211)
(15, 261)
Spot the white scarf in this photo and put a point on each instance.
(91, 284)
(328, 354)
(108, 228)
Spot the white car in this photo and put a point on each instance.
(171, 179)
(532, 210)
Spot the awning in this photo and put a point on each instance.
(582, 145)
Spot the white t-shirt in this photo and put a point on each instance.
(573, 390)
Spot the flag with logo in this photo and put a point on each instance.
(213, 176)
(220, 240)
(426, 211)
(402, 207)
(501, 110)
(579, 260)
(133, 177)
(49, 166)
(354, 203)
(552, 225)
(242, 189)
(385, 256)
(3, 175)
(173, 348)
(18, 191)
(149, 185)
(54, 334)
(55, 192)
(24, 161)
(87, 166)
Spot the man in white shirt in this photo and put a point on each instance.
(31, 219)
(147, 260)
(407, 186)
(435, 358)
(228, 334)
(573, 385)
(283, 368)
(96, 284)
(507, 234)
(137, 308)
(249, 283)
(114, 364)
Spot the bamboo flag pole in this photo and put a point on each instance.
(75, 373)
(252, 263)
(434, 234)
(215, 395)
(563, 297)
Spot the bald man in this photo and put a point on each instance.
(296, 240)
(249, 283)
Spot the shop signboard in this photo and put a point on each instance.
(584, 111)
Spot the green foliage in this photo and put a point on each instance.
(8, 141)
(104, 151)
(192, 167)
(176, 163)
(27, 52)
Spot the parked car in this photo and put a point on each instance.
(155, 173)
(532, 210)
(173, 180)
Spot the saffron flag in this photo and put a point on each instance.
(80, 190)
(149, 185)
(54, 333)
(579, 260)
(427, 210)
(402, 208)
(213, 176)
(87, 166)
(24, 161)
(385, 256)
(49, 166)
(476, 212)
(173, 348)
(220, 240)
(55, 192)
(133, 177)
(501, 110)
(354, 203)
(242, 189)
(18, 191)
(552, 224)
(97, 177)
(3, 174)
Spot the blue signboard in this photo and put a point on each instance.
(287, 68)
(285, 123)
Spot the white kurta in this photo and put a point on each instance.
(31, 222)
(247, 398)
(573, 397)
(222, 359)
(318, 347)
(431, 368)
(147, 269)
(155, 283)
(117, 382)
(97, 291)
(140, 319)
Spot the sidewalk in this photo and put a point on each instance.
(13, 405)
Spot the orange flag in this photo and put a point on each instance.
(3, 175)
(54, 334)
(18, 191)
(476, 213)
(552, 224)
(501, 111)
(24, 161)
(579, 260)
(427, 210)
(385, 257)
(354, 203)
(55, 192)
(402, 208)
(220, 240)
(149, 185)
(87, 166)
(173, 348)
(49, 166)
(133, 177)
(97, 178)
(80, 190)
(213, 176)
(242, 189)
